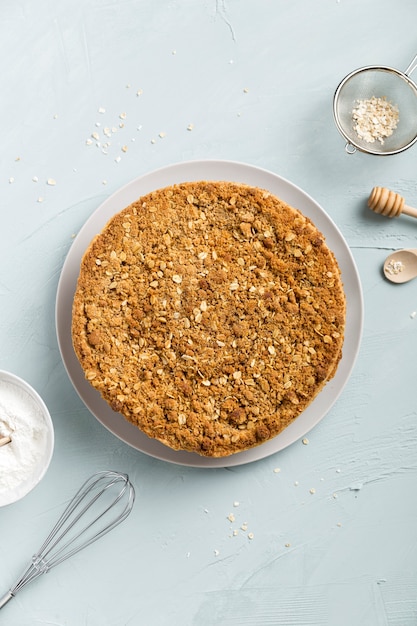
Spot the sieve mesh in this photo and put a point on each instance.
(380, 82)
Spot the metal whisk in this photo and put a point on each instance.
(102, 502)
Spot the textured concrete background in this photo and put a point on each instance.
(255, 81)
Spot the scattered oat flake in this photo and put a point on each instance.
(250, 535)
(35, 179)
(287, 545)
(190, 127)
(244, 526)
(277, 470)
(231, 517)
(11, 179)
(124, 148)
(162, 134)
(51, 182)
(118, 159)
(305, 441)
(413, 314)
(216, 553)
(236, 503)
(312, 491)
(40, 199)
(246, 90)
(101, 110)
(89, 142)
(122, 116)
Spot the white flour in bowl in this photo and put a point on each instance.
(22, 420)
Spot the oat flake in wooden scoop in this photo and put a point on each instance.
(389, 203)
(401, 266)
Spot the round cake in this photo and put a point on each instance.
(210, 315)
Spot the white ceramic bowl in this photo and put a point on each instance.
(25, 418)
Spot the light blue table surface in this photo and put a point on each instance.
(335, 530)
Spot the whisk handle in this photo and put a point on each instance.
(4, 600)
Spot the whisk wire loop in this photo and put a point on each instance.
(88, 487)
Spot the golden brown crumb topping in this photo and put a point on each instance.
(210, 314)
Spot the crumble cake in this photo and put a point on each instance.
(210, 315)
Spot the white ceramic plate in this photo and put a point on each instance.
(209, 170)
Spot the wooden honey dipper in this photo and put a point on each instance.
(389, 203)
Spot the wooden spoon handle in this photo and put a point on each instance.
(4, 440)
(389, 203)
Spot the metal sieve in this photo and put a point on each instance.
(382, 82)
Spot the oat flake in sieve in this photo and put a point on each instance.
(375, 119)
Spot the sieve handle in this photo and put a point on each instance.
(410, 69)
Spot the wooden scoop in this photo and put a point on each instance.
(401, 266)
(4, 440)
(389, 203)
